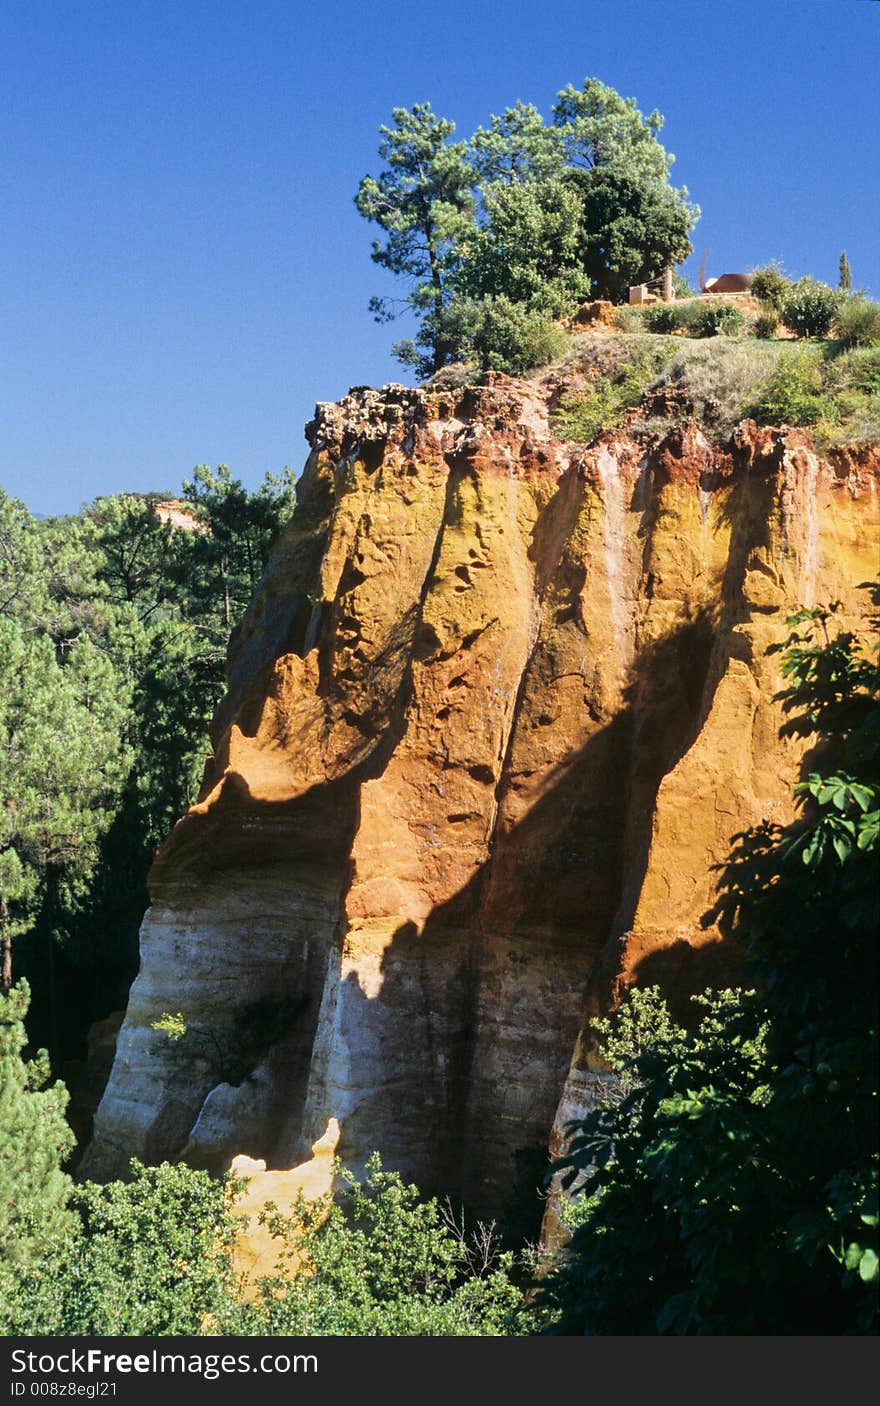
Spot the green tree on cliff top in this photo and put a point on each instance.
(424, 202)
(516, 227)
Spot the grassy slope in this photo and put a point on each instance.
(653, 381)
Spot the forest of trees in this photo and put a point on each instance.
(114, 626)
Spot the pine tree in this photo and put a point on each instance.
(424, 200)
(34, 1191)
(63, 763)
(844, 281)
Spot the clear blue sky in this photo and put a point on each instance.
(184, 273)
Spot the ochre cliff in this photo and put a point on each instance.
(495, 713)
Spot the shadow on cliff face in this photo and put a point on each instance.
(683, 971)
(453, 1067)
(462, 1052)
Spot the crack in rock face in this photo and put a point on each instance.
(495, 712)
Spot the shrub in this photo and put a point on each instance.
(382, 1262)
(629, 319)
(582, 415)
(767, 324)
(771, 285)
(713, 318)
(665, 317)
(733, 1188)
(144, 1257)
(794, 393)
(154, 1256)
(809, 308)
(858, 321)
(853, 380)
(717, 381)
(501, 335)
(859, 370)
(695, 319)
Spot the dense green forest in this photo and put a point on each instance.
(114, 626)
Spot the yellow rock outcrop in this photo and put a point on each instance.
(493, 717)
(257, 1253)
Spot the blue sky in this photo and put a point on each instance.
(184, 273)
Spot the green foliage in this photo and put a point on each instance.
(498, 334)
(695, 319)
(34, 1219)
(858, 321)
(794, 395)
(156, 1254)
(598, 128)
(809, 308)
(152, 1256)
(585, 205)
(228, 558)
(534, 215)
(715, 318)
(643, 1156)
(62, 715)
(24, 583)
(639, 1023)
(515, 148)
(844, 279)
(837, 392)
(631, 229)
(423, 201)
(171, 1024)
(629, 319)
(529, 249)
(733, 1188)
(714, 381)
(720, 381)
(666, 317)
(857, 370)
(384, 1263)
(771, 285)
(766, 324)
(583, 415)
(146, 1257)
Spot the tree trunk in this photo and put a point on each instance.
(227, 605)
(440, 348)
(6, 974)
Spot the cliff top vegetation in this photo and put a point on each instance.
(502, 238)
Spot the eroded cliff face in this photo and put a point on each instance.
(496, 711)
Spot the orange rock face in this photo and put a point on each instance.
(496, 711)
